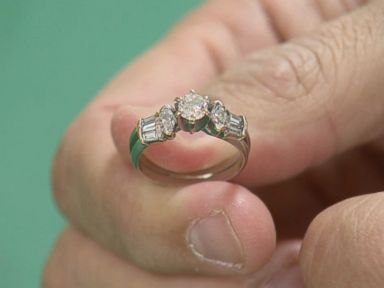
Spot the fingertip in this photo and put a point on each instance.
(342, 246)
(230, 230)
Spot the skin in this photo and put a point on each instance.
(308, 76)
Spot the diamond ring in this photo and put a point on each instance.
(192, 113)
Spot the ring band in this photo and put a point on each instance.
(191, 112)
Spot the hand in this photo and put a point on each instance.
(310, 82)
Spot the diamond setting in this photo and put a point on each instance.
(236, 126)
(150, 130)
(167, 120)
(219, 116)
(192, 106)
(192, 113)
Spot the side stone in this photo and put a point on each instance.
(219, 116)
(167, 119)
(236, 126)
(150, 129)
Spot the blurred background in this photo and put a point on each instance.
(54, 57)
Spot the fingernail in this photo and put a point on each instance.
(213, 239)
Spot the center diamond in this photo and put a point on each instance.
(193, 106)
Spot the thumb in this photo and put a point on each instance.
(311, 97)
(344, 245)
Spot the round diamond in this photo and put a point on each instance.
(193, 106)
(167, 119)
(219, 116)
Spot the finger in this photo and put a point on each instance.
(310, 98)
(208, 228)
(77, 261)
(297, 17)
(210, 40)
(289, 16)
(343, 246)
(267, 74)
(332, 8)
(200, 47)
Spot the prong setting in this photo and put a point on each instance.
(192, 113)
(219, 117)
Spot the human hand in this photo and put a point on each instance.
(307, 100)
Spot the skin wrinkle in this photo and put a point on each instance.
(320, 49)
(281, 75)
(302, 74)
(329, 114)
(365, 232)
(296, 75)
(350, 227)
(344, 36)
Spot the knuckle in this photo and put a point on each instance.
(286, 74)
(305, 65)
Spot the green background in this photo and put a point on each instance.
(54, 56)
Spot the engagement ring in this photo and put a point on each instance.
(192, 113)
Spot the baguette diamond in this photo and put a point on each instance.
(235, 126)
(150, 129)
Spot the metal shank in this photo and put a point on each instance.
(224, 170)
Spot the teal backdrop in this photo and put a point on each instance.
(54, 56)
